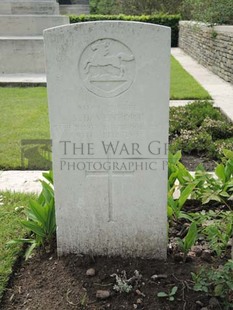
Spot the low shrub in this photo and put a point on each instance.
(199, 128)
(192, 116)
(171, 21)
(192, 141)
(209, 11)
(219, 146)
(217, 129)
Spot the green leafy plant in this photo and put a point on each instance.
(218, 231)
(171, 21)
(40, 222)
(179, 179)
(218, 187)
(210, 11)
(122, 283)
(199, 128)
(125, 285)
(189, 240)
(170, 295)
(216, 282)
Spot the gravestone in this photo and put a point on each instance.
(21, 28)
(108, 89)
(24, 7)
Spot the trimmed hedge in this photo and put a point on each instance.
(160, 19)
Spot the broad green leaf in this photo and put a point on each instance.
(224, 194)
(218, 290)
(47, 193)
(29, 250)
(21, 240)
(51, 220)
(169, 212)
(174, 290)
(228, 154)
(162, 294)
(34, 228)
(220, 172)
(191, 237)
(38, 211)
(48, 176)
(185, 194)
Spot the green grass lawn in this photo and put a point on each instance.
(24, 113)
(10, 228)
(183, 85)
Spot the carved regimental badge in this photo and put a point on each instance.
(107, 67)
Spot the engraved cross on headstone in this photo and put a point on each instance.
(110, 174)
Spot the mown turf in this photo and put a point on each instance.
(183, 85)
(24, 113)
(10, 215)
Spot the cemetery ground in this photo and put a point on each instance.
(88, 282)
(199, 229)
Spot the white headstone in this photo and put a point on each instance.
(108, 87)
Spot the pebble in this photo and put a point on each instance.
(213, 303)
(135, 306)
(138, 292)
(101, 294)
(90, 272)
(206, 256)
(159, 276)
(199, 303)
(139, 301)
(178, 257)
(205, 308)
(197, 250)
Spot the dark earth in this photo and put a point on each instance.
(192, 161)
(46, 282)
(49, 283)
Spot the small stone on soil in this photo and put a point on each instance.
(139, 301)
(213, 302)
(101, 294)
(159, 276)
(91, 272)
(197, 250)
(178, 257)
(138, 292)
(206, 256)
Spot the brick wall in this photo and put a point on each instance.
(210, 46)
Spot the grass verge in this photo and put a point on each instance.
(183, 85)
(24, 113)
(10, 229)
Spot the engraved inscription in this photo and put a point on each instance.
(107, 67)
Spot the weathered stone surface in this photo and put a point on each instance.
(21, 41)
(24, 7)
(108, 87)
(29, 25)
(210, 46)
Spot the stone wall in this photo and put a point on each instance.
(210, 46)
(77, 7)
(74, 9)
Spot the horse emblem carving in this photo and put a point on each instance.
(107, 67)
(107, 63)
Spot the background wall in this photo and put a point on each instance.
(210, 46)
